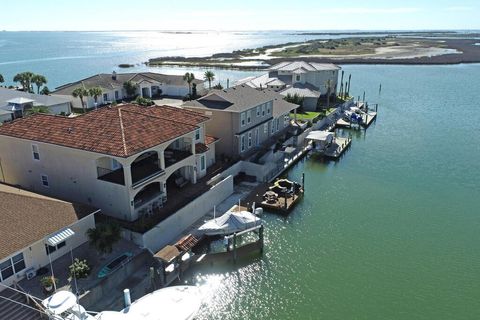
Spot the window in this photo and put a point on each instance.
(197, 134)
(265, 128)
(277, 122)
(51, 249)
(242, 119)
(6, 269)
(45, 180)
(286, 120)
(257, 137)
(116, 95)
(202, 163)
(242, 142)
(249, 116)
(298, 77)
(105, 97)
(269, 109)
(250, 139)
(258, 111)
(272, 127)
(263, 110)
(18, 263)
(36, 154)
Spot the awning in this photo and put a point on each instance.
(60, 236)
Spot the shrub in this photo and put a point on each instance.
(48, 281)
(144, 101)
(79, 269)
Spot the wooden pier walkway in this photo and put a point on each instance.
(338, 147)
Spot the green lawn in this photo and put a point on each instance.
(307, 116)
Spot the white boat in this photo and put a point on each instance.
(173, 303)
(230, 222)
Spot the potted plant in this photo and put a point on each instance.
(48, 283)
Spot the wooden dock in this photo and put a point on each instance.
(338, 147)
(368, 118)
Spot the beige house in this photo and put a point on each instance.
(309, 80)
(245, 118)
(36, 229)
(121, 159)
(148, 85)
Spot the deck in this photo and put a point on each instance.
(338, 147)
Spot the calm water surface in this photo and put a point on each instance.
(391, 231)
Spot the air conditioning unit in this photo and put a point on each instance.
(30, 273)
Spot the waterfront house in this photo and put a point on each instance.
(148, 85)
(244, 118)
(14, 103)
(121, 159)
(36, 229)
(309, 80)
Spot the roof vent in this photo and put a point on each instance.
(70, 130)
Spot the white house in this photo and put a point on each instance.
(121, 159)
(14, 103)
(307, 79)
(148, 85)
(36, 229)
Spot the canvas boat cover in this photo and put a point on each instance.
(230, 222)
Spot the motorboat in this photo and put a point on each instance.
(173, 303)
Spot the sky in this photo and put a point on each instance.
(86, 15)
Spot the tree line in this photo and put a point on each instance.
(27, 79)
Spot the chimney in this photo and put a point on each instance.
(228, 83)
(114, 75)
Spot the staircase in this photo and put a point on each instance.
(14, 311)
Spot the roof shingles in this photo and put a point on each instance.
(120, 131)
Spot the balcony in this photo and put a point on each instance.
(173, 156)
(109, 175)
(145, 169)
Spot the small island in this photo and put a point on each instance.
(405, 48)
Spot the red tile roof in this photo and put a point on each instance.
(122, 131)
(210, 139)
(201, 148)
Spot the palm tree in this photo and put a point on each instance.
(130, 88)
(341, 86)
(25, 79)
(37, 109)
(39, 81)
(104, 236)
(209, 76)
(95, 92)
(81, 92)
(1, 79)
(189, 77)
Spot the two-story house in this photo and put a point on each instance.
(121, 159)
(147, 85)
(244, 118)
(309, 80)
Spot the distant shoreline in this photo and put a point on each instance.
(433, 50)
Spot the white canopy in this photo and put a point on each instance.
(230, 222)
(20, 100)
(60, 236)
(320, 135)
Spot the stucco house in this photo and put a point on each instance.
(36, 229)
(245, 118)
(14, 103)
(149, 85)
(307, 79)
(122, 159)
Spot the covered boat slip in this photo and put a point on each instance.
(327, 144)
(234, 220)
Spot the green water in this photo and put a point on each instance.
(392, 230)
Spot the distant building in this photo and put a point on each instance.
(14, 103)
(149, 85)
(35, 229)
(121, 159)
(306, 79)
(244, 118)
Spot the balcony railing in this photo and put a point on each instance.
(145, 170)
(109, 175)
(173, 156)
